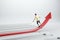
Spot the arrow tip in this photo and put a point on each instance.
(48, 16)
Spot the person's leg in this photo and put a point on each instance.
(38, 23)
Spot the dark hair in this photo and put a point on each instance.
(35, 14)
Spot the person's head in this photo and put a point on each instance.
(35, 14)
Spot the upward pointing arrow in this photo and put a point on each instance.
(48, 16)
(29, 31)
(46, 20)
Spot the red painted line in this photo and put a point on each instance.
(31, 30)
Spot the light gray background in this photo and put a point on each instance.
(22, 11)
(19, 12)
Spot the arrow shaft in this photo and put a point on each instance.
(29, 31)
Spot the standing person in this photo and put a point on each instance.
(37, 19)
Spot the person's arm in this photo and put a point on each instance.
(38, 16)
(34, 19)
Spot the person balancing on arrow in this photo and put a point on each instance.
(37, 19)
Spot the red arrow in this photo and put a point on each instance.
(31, 30)
(46, 20)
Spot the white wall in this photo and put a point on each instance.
(18, 11)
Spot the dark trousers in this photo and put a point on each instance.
(38, 22)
